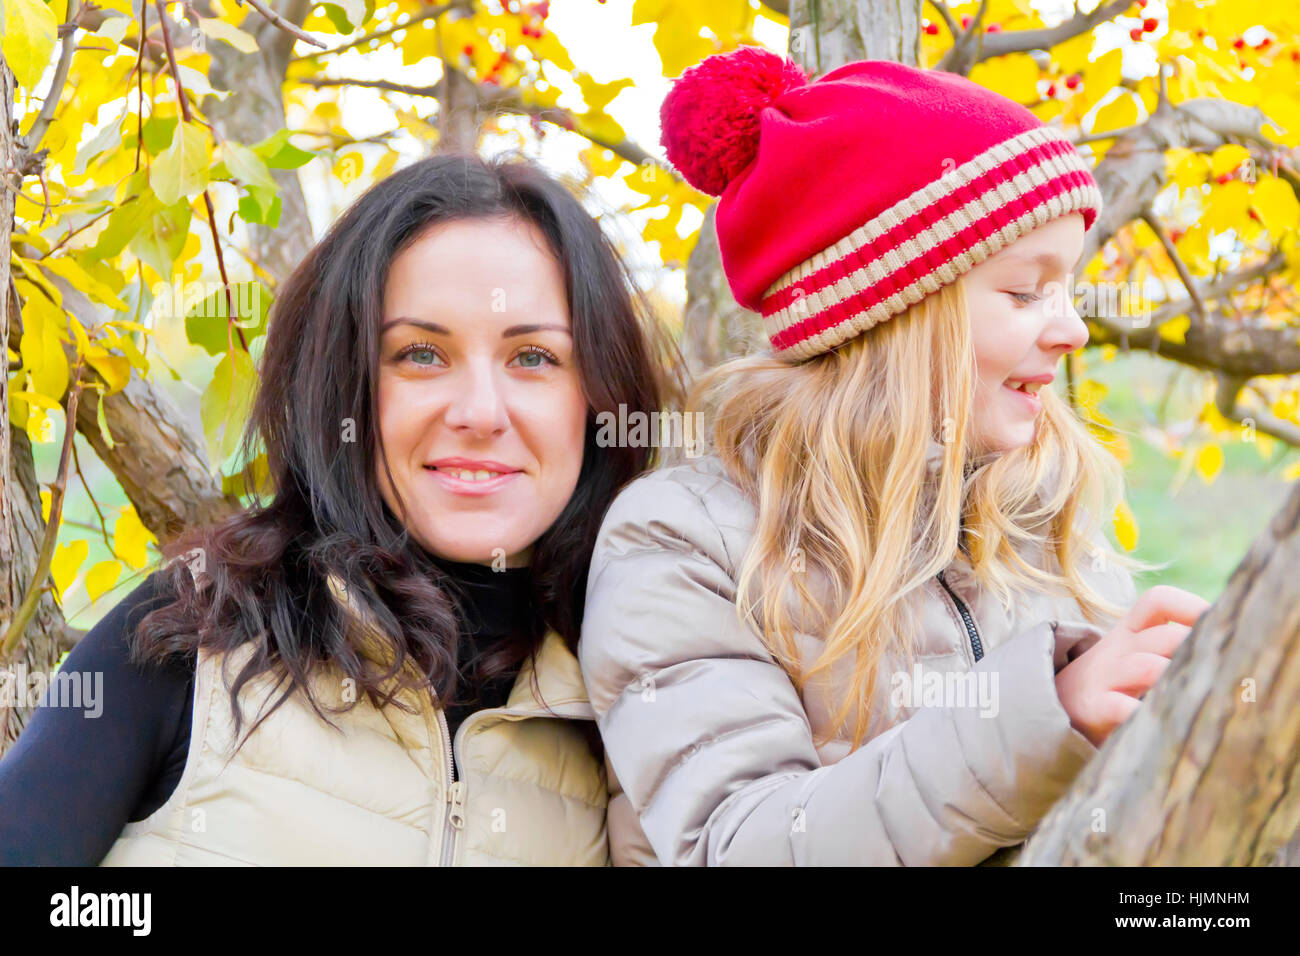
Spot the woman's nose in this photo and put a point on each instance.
(478, 405)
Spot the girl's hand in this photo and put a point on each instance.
(1102, 686)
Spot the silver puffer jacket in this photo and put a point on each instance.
(711, 749)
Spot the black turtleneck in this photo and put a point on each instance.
(72, 781)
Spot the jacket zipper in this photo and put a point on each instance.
(456, 790)
(976, 647)
(455, 820)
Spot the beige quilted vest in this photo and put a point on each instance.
(377, 790)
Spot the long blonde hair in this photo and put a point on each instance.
(833, 452)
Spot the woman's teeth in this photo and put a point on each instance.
(465, 475)
(1029, 387)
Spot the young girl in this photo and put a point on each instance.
(376, 666)
(881, 625)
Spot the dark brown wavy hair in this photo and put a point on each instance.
(267, 569)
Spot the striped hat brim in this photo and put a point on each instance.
(927, 240)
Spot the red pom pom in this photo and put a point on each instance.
(710, 117)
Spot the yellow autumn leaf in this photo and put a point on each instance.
(1126, 527)
(1014, 76)
(1227, 158)
(115, 369)
(1292, 472)
(67, 560)
(102, 577)
(1209, 462)
(29, 34)
(1175, 330)
(220, 30)
(1275, 203)
(1227, 207)
(130, 537)
(1119, 113)
(46, 502)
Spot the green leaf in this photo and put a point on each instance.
(30, 31)
(349, 15)
(279, 153)
(207, 324)
(246, 166)
(158, 133)
(182, 169)
(103, 424)
(226, 403)
(161, 240)
(260, 206)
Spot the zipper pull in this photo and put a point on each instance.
(456, 798)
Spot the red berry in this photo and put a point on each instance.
(1175, 234)
(1295, 55)
(993, 28)
(1254, 215)
(1051, 90)
(1264, 43)
(1150, 24)
(1223, 178)
(1238, 43)
(1142, 4)
(965, 22)
(932, 29)
(1135, 33)
(1072, 81)
(469, 49)
(1200, 34)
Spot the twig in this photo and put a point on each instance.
(281, 23)
(432, 12)
(76, 463)
(207, 198)
(1184, 275)
(46, 115)
(37, 584)
(139, 66)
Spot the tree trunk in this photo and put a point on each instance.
(21, 526)
(1207, 772)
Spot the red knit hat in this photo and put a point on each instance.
(848, 199)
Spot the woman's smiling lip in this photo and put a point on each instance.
(446, 472)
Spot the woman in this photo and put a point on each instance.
(376, 666)
(880, 625)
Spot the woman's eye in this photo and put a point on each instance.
(420, 355)
(1024, 298)
(535, 358)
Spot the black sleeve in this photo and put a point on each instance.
(76, 774)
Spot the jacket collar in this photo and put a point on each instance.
(559, 676)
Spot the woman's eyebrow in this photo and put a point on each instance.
(529, 329)
(429, 326)
(443, 330)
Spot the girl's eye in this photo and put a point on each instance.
(535, 357)
(1024, 298)
(421, 355)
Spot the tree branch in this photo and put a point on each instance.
(280, 23)
(975, 46)
(43, 119)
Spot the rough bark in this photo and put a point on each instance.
(1207, 771)
(21, 526)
